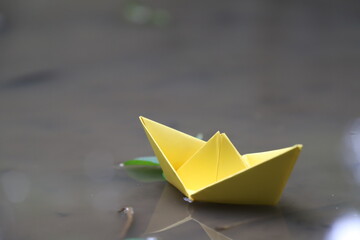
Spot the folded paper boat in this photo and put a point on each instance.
(214, 171)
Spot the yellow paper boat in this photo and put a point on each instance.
(214, 171)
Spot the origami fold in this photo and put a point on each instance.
(214, 171)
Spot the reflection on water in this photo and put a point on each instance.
(173, 217)
(352, 149)
(345, 228)
(171, 212)
(144, 174)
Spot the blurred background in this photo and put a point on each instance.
(75, 76)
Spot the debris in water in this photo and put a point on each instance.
(186, 199)
(129, 213)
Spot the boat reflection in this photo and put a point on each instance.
(171, 212)
(174, 218)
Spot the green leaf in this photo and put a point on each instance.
(145, 161)
(145, 173)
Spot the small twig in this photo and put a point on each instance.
(129, 212)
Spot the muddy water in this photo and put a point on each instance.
(75, 77)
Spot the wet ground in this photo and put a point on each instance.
(75, 76)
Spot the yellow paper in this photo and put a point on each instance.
(214, 171)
